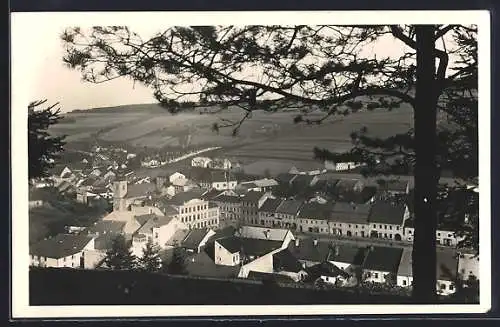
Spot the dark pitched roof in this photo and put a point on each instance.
(383, 259)
(307, 251)
(325, 269)
(202, 264)
(107, 226)
(142, 219)
(194, 238)
(387, 213)
(285, 261)
(60, 246)
(249, 246)
(154, 222)
(104, 241)
(350, 213)
(252, 197)
(183, 197)
(138, 190)
(270, 205)
(347, 254)
(227, 199)
(346, 184)
(314, 210)
(256, 275)
(289, 207)
(211, 194)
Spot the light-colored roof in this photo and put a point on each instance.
(154, 222)
(263, 233)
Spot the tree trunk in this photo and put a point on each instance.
(426, 179)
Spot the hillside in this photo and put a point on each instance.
(264, 136)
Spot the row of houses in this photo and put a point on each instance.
(257, 252)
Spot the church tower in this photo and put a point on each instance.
(119, 194)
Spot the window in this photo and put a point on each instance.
(451, 287)
(397, 227)
(390, 227)
(357, 226)
(404, 282)
(374, 226)
(375, 275)
(362, 227)
(349, 225)
(64, 259)
(439, 234)
(385, 226)
(326, 278)
(380, 226)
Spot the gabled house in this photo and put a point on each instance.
(444, 237)
(328, 273)
(129, 217)
(267, 212)
(282, 235)
(235, 250)
(313, 217)
(381, 264)
(250, 204)
(350, 219)
(126, 194)
(229, 209)
(284, 263)
(447, 265)
(286, 213)
(196, 239)
(309, 251)
(201, 162)
(387, 220)
(157, 229)
(223, 180)
(63, 250)
(347, 257)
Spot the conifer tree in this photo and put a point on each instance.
(43, 149)
(318, 68)
(150, 260)
(120, 256)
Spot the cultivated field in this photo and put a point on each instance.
(265, 136)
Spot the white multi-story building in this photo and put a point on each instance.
(191, 209)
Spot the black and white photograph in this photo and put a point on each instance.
(250, 163)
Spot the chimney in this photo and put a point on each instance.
(315, 242)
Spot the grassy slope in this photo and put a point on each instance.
(271, 135)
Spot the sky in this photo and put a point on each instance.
(37, 55)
